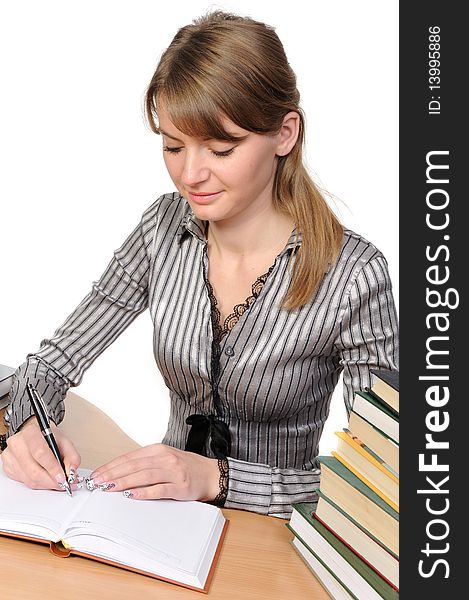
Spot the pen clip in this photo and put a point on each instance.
(39, 407)
(42, 403)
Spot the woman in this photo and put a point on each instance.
(258, 296)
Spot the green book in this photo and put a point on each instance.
(377, 413)
(360, 502)
(354, 574)
(347, 475)
(378, 402)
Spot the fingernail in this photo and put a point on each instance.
(104, 487)
(128, 494)
(97, 480)
(60, 478)
(72, 475)
(90, 484)
(63, 485)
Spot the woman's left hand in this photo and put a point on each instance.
(160, 471)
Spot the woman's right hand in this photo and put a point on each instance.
(28, 459)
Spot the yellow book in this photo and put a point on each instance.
(368, 454)
(355, 458)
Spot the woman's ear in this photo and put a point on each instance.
(288, 133)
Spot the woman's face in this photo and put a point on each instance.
(222, 181)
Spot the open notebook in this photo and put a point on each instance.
(175, 541)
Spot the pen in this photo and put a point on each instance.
(43, 420)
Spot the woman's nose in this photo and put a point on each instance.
(194, 170)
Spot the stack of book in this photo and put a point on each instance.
(350, 540)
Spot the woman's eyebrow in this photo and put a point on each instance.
(232, 137)
(169, 135)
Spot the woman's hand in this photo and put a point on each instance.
(160, 471)
(28, 459)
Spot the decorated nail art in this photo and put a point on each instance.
(104, 487)
(72, 476)
(90, 484)
(128, 494)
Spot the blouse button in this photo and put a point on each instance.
(229, 351)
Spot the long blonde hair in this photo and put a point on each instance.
(224, 65)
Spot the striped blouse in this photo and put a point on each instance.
(277, 368)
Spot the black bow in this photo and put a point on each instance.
(201, 427)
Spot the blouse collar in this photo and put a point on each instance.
(194, 226)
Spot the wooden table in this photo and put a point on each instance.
(257, 561)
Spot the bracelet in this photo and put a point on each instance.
(222, 483)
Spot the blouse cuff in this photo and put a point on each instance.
(50, 385)
(249, 486)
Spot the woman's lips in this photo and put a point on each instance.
(203, 197)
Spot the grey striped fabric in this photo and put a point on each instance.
(278, 368)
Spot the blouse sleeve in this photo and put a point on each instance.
(368, 335)
(115, 300)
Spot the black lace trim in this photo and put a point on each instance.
(221, 329)
(224, 470)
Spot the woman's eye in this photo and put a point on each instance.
(172, 150)
(218, 153)
(222, 153)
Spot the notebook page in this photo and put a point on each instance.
(176, 534)
(39, 513)
(94, 545)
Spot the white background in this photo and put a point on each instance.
(74, 148)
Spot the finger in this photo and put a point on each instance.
(34, 475)
(76, 486)
(70, 455)
(74, 476)
(11, 467)
(154, 492)
(127, 468)
(144, 452)
(133, 480)
(45, 458)
(40, 469)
